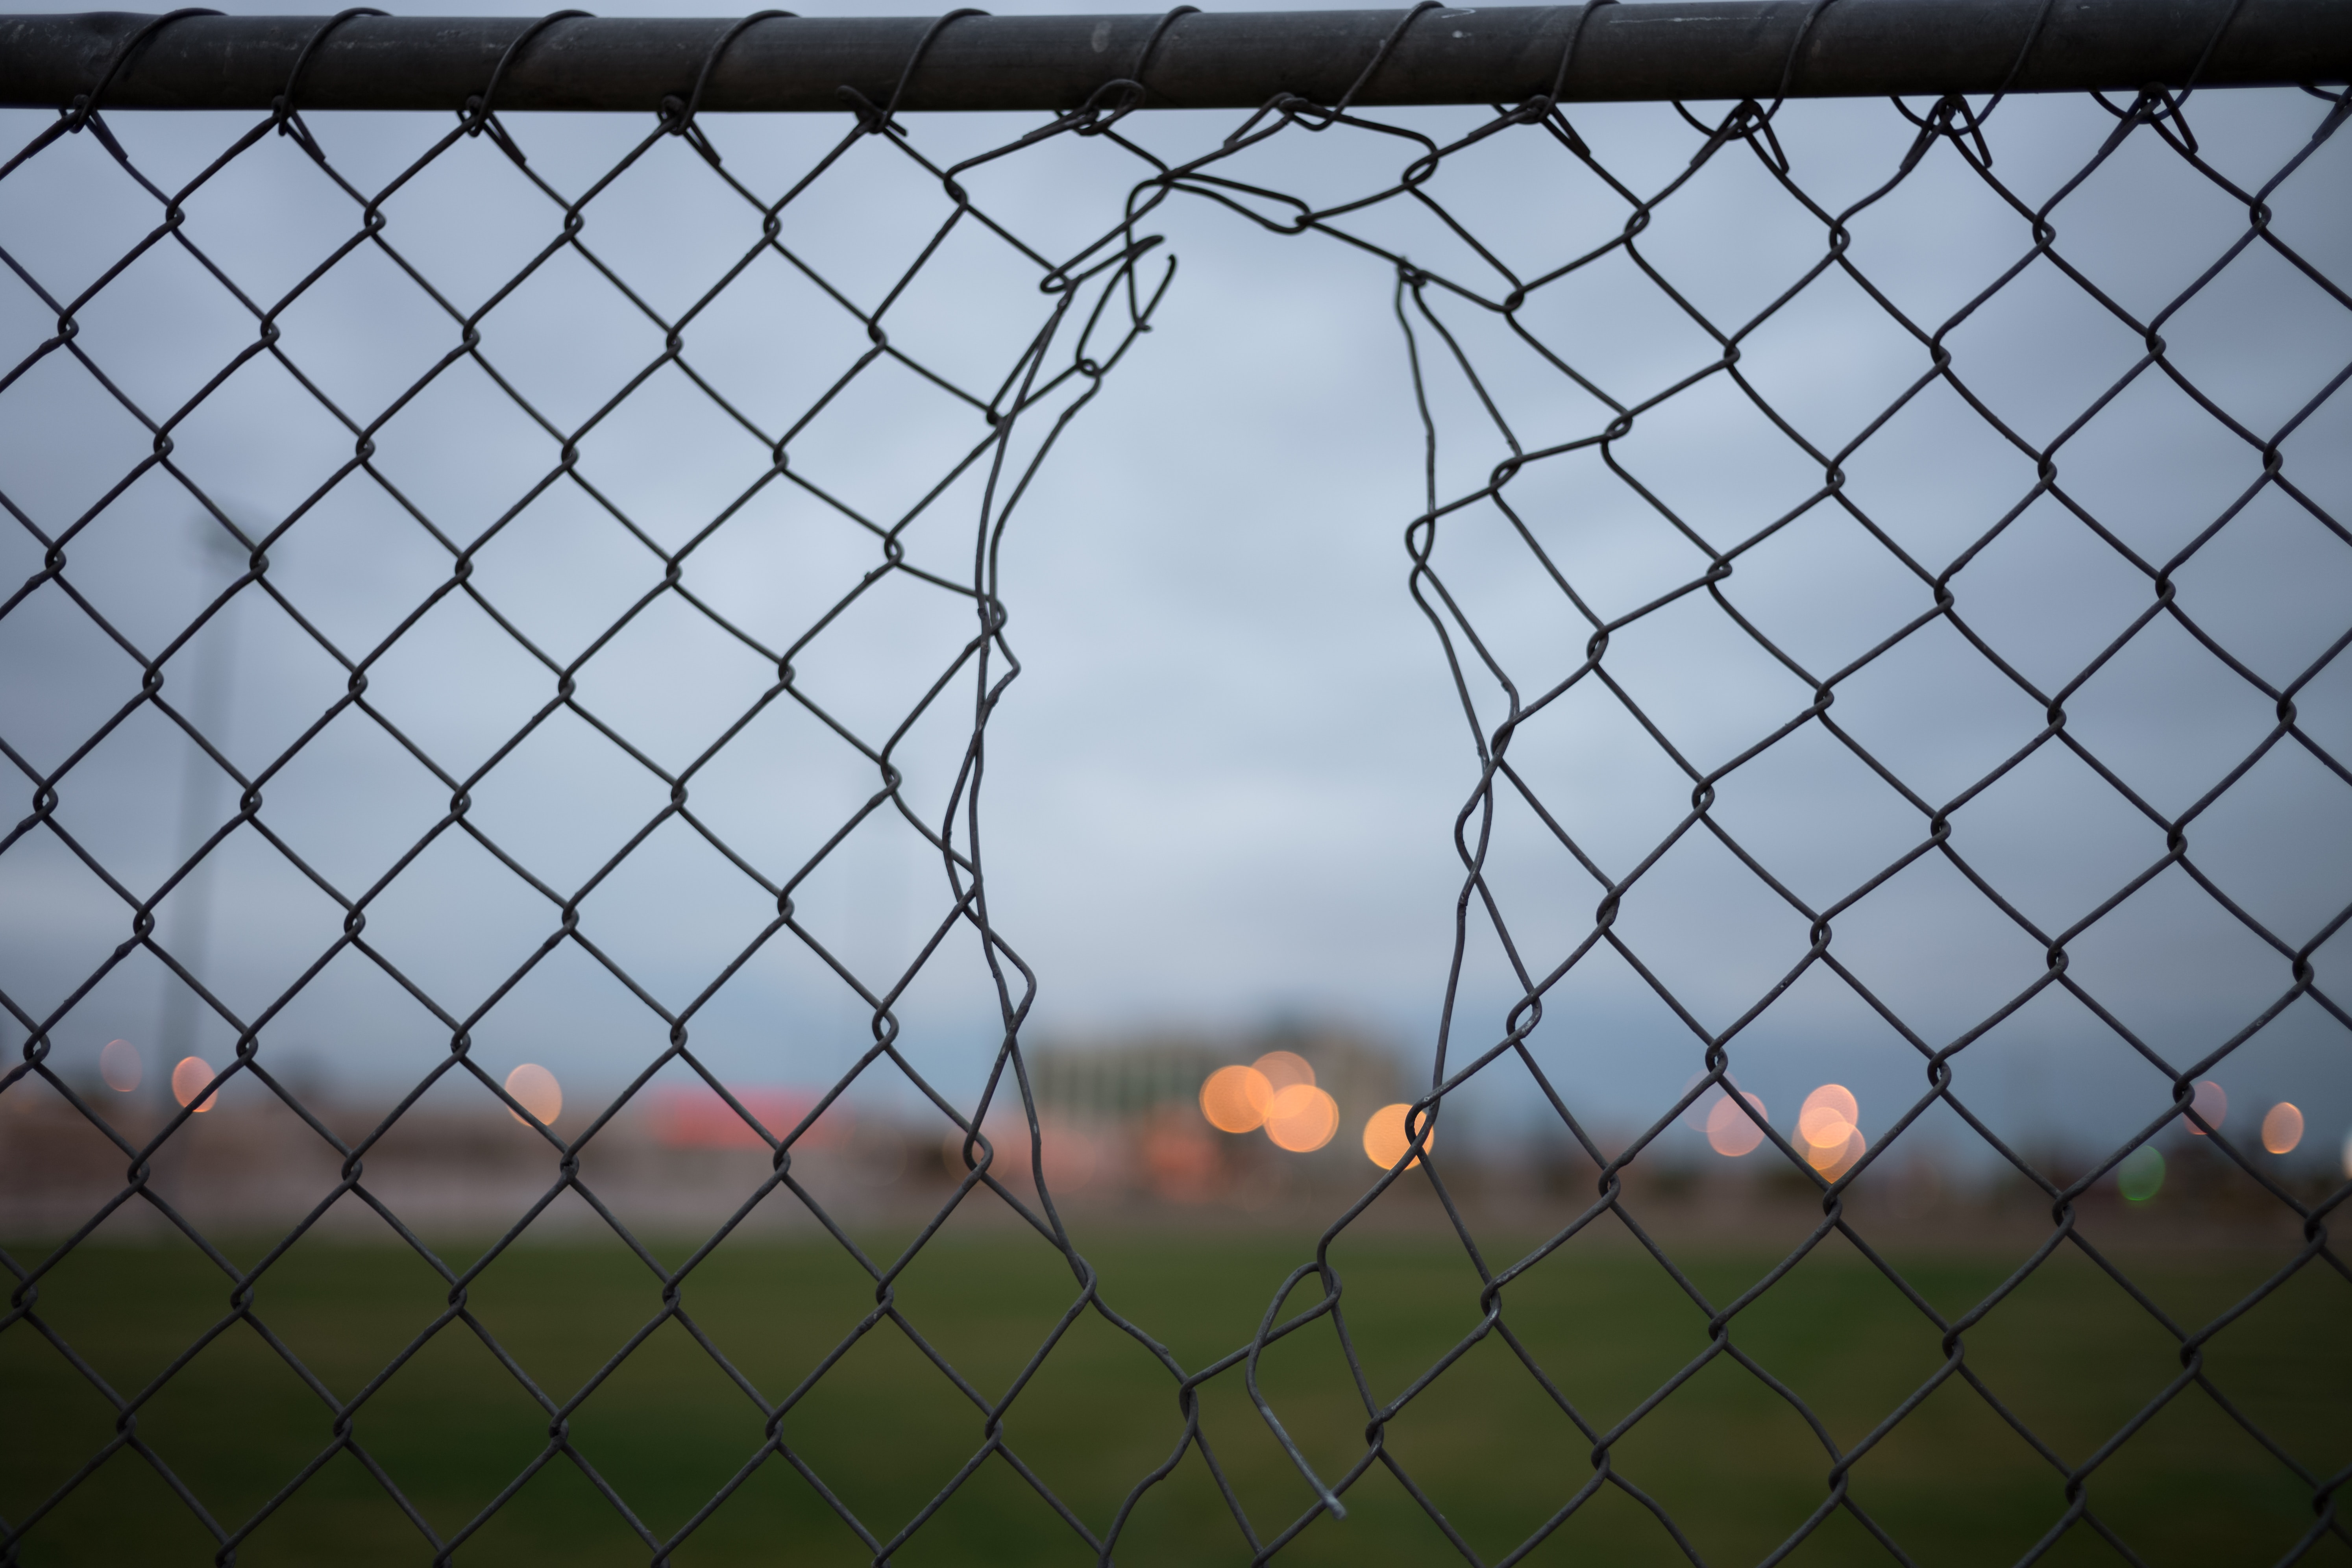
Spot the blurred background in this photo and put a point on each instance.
(1221, 797)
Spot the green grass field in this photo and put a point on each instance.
(1735, 1466)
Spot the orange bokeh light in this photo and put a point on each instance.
(1837, 1160)
(1284, 1069)
(2282, 1128)
(538, 1093)
(188, 1081)
(1729, 1132)
(1235, 1100)
(1828, 1118)
(1301, 1118)
(2208, 1102)
(120, 1066)
(1385, 1141)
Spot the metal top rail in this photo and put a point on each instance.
(1695, 50)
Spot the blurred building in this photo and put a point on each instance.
(1093, 1082)
(1123, 1118)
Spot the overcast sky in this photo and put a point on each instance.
(1223, 790)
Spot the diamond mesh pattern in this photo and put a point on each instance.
(1092, 307)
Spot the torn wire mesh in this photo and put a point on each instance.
(1087, 306)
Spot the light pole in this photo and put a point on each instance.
(187, 928)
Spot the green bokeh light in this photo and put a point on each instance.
(2141, 1173)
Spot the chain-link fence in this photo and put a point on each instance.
(636, 481)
